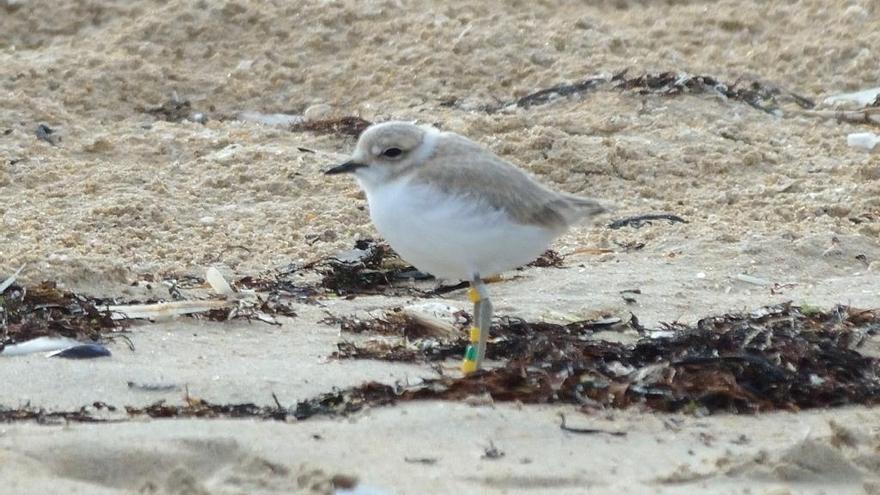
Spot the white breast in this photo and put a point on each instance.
(451, 237)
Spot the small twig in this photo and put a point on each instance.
(10, 280)
(127, 341)
(640, 220)
(869, 116)
(444, 289)
(277, 402)
(587, 431)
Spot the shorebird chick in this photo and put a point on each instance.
(456, 210)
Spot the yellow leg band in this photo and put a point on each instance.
(468, 366)
(475, 334)
(473, 295)
(469, 363)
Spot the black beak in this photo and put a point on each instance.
(345, 168)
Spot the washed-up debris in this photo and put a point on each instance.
(361, 269)
(153, 387)
(10, 280)
(629, 295)
(46, 311)
(281, 285)
(863, 140)
(587, 431)
(44, 133)
(492, 452)
(271, 119)
(751, 279)
(760, 95)
(347, 401)
(163, 310)
(550, 258)
(198, 408)
(61, 347)
(547, 95)
(447, 288)
(175, 110)
(100, 412)
(346, 126)
(435, 320)
(425, 336)
(508, 343)
(46, 319)
(38, 344)
(640, 221)
(369, 268)
(82, 351)
(778, 357)
(85, 414)
(864, 98)
(217, 282)
(227, 305)
(864, 116)
(372, 267)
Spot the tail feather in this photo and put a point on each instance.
(577, 208)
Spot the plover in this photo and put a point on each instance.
(456, 210)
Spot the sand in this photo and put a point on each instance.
(124, 196)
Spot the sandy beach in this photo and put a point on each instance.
(179, 136)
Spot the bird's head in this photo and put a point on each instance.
(386, 150)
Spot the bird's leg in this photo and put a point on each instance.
(485, 319)
(469, 362)
(479, 331)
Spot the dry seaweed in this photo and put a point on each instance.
(346, 126)
(39, 415)
(760, 95)
(173, 110)
(550, 258)
(100, 412)
(547, 95)
(511, 340)
(640, 221)
(199, 408)
(778, 357)
(369, 268)
(346, 401)
(45, 310)
(280, 285)
(359, 270)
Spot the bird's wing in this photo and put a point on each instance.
(463, 168)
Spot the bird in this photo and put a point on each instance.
(456, 210)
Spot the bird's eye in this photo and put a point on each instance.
(392, 152)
